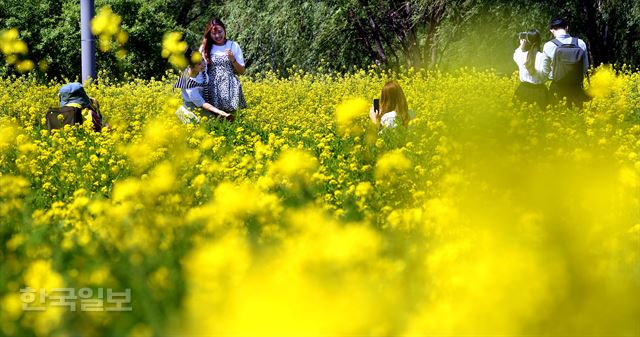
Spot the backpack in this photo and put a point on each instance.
(57, 118)
(568, 63)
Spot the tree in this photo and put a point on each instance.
(611, 29)
(328, 34)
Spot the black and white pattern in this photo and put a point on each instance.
(223, 89)
(186, 82)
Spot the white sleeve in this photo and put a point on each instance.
(543, 64)
(387, 120)
(548, 50)
(519, 57)
(195, 96)
(237, 52)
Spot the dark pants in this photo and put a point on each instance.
(574, 94)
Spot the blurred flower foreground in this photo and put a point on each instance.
(483, 217)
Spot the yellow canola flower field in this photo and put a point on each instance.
(482, 217)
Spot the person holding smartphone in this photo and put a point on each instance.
(224, 62)
(391, 109)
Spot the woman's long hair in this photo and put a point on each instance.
(532, 47)
(392, 99)
(207, 40)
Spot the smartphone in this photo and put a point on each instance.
(376, 104)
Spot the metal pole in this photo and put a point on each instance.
(88, 42)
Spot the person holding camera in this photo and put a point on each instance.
(532, 70)
(224, 62)
(392, 108)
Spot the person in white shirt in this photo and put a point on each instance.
(192, 83)
(532, 65)
(574, 93)
(393, 110)
(224, 63)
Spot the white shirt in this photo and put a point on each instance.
(388, 120)
(235, 49)
(193, 96)
(520, 57)
(549, 50)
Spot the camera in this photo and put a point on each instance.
(522, 35)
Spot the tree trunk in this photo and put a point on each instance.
(377, 39)
(411, 40)
(364, 37)
(433, 24)
(596, 41)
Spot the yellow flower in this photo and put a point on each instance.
(391, 163)
(106, 25)
(8, 134)
(363, 189)
(105, 22)
(11, 305)
(603, 82)
(9, 39)
(122, 37)
(424, 234)
(40, 275)
(126, 189)
(161, 180)
(25, 66)
(15, 50)
(347, 115)
(294, 162)
(196, 57)
(8, 35)
(199, 180)
(173, 48)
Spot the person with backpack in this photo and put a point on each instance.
(75, 107)
(531, 70)
(569, 62)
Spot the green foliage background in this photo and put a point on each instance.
(331, 35)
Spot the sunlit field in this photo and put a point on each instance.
(483, 217)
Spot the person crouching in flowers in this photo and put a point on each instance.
(75, 107)
(393, 109)
(192, 83)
